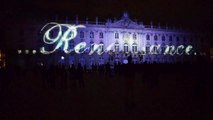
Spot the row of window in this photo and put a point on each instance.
(134, 48)
(102, 36)
(116, 48)
(126, 47)
(163, 38)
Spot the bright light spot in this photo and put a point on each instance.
(19, 51)
(27, 51)
(125, 61)
(62, 57)
(34, 51)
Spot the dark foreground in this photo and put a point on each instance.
(149, 92)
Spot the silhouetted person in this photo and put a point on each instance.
(129, 59)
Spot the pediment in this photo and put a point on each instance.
(125, 22)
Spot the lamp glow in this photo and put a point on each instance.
(34, 51)
(26, 51)
(19, 51)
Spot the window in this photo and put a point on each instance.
(155, 37)
(116, 47)
(163, 48)
(102, 46)
(147, 37)
(134, 36)
(147, 49)
(170, 38)
(91, 35)
(91, 45)
(116, 36)
(177, 38)
(81, 34)
(155, 49)
(163, 38)
(134, 47)
(101, 35)
(125, 47)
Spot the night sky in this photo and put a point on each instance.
(187, 13)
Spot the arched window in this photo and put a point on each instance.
(170, 38)
(91, 45)
(134, 36)
(156, 49)
(91, 35)
(125, 47)
(163, 48)
(147, 37)
(134, 47)
(116, 36)
(81, 34)
(155, 37)
(116, 47)
(147, 49)
(163, 38)
(101, 35)
(102, 46)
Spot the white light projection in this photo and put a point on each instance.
(189, 50)
(155, 51)
(180, 49)
(170, 50)
(62, 40)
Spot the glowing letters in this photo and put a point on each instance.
(61, 38)
(67, 32)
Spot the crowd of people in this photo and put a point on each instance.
(63, 76)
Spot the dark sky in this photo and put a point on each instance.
(188, 13)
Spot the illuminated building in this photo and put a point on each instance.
(124, 37)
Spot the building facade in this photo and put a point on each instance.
(118, 38)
